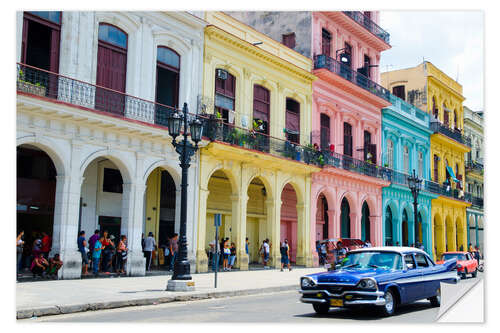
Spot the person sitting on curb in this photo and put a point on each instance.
(55, 264)
(39, 265)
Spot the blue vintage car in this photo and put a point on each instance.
(385, 277)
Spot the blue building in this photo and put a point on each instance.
(406, 147)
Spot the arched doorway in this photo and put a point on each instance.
(365, 222)
(345, 219)
(418, 230)
(35, 198)
(388, 227)
(404, 228)
(322, 218)
(160, 214)
(288, 225)
(256, 221)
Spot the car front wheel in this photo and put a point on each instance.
(474, 274)
(322, 308)
(464, 274)
(436, 300)
(390, 304)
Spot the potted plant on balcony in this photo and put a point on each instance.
(29, 87)
(309, 153)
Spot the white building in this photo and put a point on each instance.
(96, 158)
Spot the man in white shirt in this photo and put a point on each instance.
(149, 247)
(266, 252)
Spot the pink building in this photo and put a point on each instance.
(346, 196)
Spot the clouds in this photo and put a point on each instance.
(451, 40)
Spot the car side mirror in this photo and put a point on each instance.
(409, 266)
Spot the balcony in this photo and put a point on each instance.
(371, 26)
(334, 66)
(456, 135)
(48, 85)
(477, 202)
(474, 166)
(409, 111)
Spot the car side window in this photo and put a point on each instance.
(429, 260)
(409, 261)
(421, 261)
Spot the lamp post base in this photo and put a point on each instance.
(180, 285)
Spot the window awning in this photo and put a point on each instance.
(452, 174)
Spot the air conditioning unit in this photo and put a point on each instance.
(221, 74)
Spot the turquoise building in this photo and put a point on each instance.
(406, 147)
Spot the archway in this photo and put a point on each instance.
(256, 221)
(439, 236)
(472, 229)
(322, 218)
(160, 214)
(288, 224)
(35, 198)
(365, 222)
(388, 227)
(345, 219)
(404, 228)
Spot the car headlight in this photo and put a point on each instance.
(367, 284)
(459, 266)
(307, 282)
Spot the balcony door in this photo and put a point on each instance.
(261, 108)
(111, 69)
(325, 131)
(167, 83)
(326, 39)
(292, 121)
(347, 139)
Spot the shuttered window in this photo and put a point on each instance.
(225, 90)
(261, 106)
(325, 131)
(292, 120)
(326, 39)
(289, 40)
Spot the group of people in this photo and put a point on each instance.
(474, 252)
(36, 255)
(170, 250)
(102, 254)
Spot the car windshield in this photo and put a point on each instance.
(459, 256)
(372, 259)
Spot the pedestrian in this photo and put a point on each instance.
(149, 247)
(54, 265)
(39, 265)
(46, 245)
(461, 247)
(95, 237)
(96, 256)
(267, 249)
(82, 248)
(121, 252)
(246, 245)
(213, 253)
(323, 253)
(107, 253)
(285, 255)
(471, 249)
(232, 256)
(174, 249)
(397, 243)
(226, 252)
(37, 245)
(19, 251)
(368, 243)
(477, 254)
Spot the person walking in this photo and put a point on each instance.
(107, 253)
(121, 252)
(19, 250)
(267, 249)
(226, 252)
(232, 256)
(174, 249)
(82, 248)
(96, 256)
(323, 253)
(46, 245)
(149, 247)
(95, 237)
(246, 245)
(477, 254)
(285, 255)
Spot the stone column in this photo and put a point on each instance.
(355, 225)
(239, 227)
(304, 255)
(396, 229)
(132, 218)
(333, 225)
(313, 231)
(273, 210)
(376, 235)
(201, 255)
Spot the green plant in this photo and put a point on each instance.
(218, 115)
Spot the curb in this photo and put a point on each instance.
(75, 308)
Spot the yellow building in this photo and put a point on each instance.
(430, 89)
(253, 172)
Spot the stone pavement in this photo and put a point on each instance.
(68, 296)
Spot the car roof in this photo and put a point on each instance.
(398, 249)
(455, 252)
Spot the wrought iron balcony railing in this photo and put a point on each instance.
(54, 86)
(456, 135)
(474, 166)
(334, 66)
(371, 26)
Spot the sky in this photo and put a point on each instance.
(451, 40)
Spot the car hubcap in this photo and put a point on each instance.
(389, 302)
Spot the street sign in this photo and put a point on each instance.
(217, 223)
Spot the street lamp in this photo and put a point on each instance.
(415, 184)
(185, 149)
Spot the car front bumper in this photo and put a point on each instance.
(349, 298)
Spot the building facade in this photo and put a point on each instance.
(94, 90)
(254, 173)
(346, 196)
(474, 176)
(406, 147)
(429, 88)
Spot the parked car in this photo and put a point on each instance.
(465, 263)
(385, 277)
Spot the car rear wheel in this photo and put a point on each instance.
(321, 308)
(390, 304)
(464, 274)
(436, 300)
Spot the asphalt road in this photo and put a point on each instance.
(282, 307)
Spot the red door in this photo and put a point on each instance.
(111, 73)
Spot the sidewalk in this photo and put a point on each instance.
(68, 296)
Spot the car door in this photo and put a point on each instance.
(411, 283)
(424, 267)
